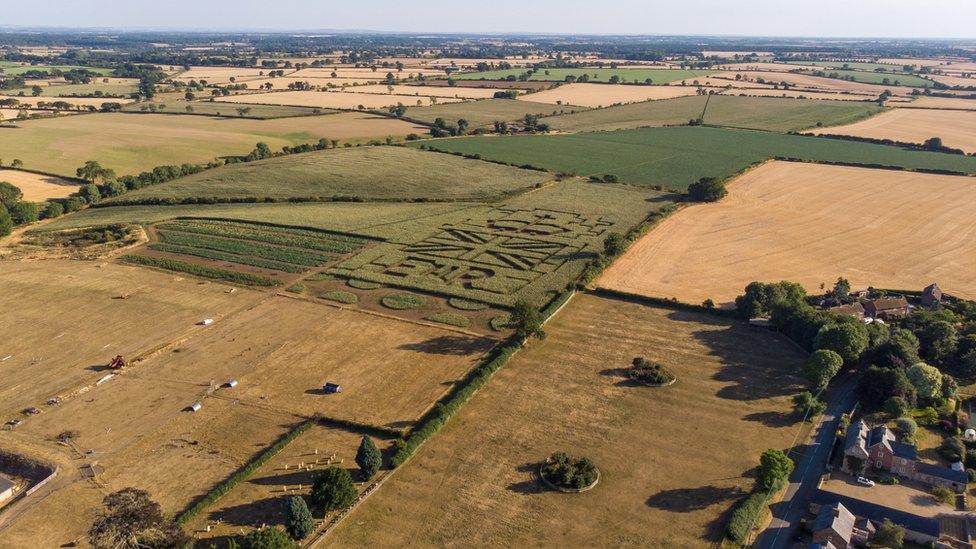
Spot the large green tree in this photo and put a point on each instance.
(774, 468)
(368, 458)
(298, 519)
(6, 222)
(527, 320)
(268, 537)
(10, 194)
(822, 366)
(926, 379)
(333, 489)
(130, 520)
(24, 212)
(847, 339)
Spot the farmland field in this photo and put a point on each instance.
(940, 103)
(657, 76)
(689, 452)
(604, 95)
(486, 111)
(179, 106)
(332, 99)
(38, 187)
(130, 143)
(76, 101)
(957, 129)
(782, 221)
(807, 81)
(13, 68)
(367, 173)
(676, 157)
(774, 114)
(122, 88)
(893, 79)
(424, 91)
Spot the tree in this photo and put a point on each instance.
(526, 320)
(900, 350)
(842, 289)
(17, 163)
(774, 468)
(889, 534)
(132, 520)
(808, 406)
(707, 189)
(268, 537)
(93, 171)
(613, 245)
(9, 194)
(877, 385)
(53, 209)
(822, 366)
(333, 489)
(36, 90)
(298, 519)
(90, 194)
(846, 339)
(896, 406)
(926, 379)
(933, 144)
(759, 298)
(24, 212)
(907, 426)
(6, 222)
(368, 458)
(939, 341)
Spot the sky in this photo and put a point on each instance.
(813, 18)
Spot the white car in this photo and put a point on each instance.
(865, 481)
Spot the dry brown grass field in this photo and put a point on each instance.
(282, 82)
(951, 103)
(37, 187)
(956, 128)
(368, 73)
(604, 95)
(222, 75)
(333, 99)
(816, 82)
(763, 66)
(261, 499)
(78, 101)
(811, 224)
(955, 81)
(672, 460)
(731, 54)
(836, 96)
(435, 91)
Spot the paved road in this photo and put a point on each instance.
(788, 512)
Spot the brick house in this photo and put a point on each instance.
(931, 296)
(887, 307)
(855, 310)
(877, 450)
(836, 527)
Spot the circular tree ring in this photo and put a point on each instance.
(566, 489)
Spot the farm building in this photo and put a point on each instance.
(6, 490)
(837, 527)
(878, 449)
(887, 307)
(919, 529)
(855, 310)
(931, 296)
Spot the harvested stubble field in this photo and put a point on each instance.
(261, 499)
(425, 91)
(282, 82)
(596, 74)
(485, 112)
(807, 81)
(333, 99)
(368, 173)
(122, 87)
(378, 74)
(957, 129)
(54, 353)
(221, 75)
(76, 101)
(530, 247)
(604, 95)
(783, 221)
(38, 187)
(688, 455)
(955, 81)
(802, 94)
(14, 68)
(175, 105)
(761, 113)
(949, 103)
(130, 143)
(677, 156)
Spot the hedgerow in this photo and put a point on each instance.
(200, 270)
(241, 474)
(745, 515)
(340, 297)
(451, 319)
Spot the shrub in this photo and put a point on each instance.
(707, 189)
(744, 516)
(896, 406)
(652, 373)
(6, 222)
(53, 209)
(268, 537)
(808, 406)
(368, 458)
(927, 416)
(340, 297)
(943, 494)
(907, 426)
(952, 449)
(333, 489)
(401, 302)
(296, 288)
(298, 519)
(500, 323)
(24, 212)
(568, 472)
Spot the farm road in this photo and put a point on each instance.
(788, 512)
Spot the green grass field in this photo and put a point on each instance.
(14, 68)
(871, 77)
(213, 108)
(485, 112)
(677, 156)
(657, 76)
(761, 113)
(71, 90)
(130, 143)
(367, 173)
(855, 65)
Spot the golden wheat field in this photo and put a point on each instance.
(814, 82)
(604, 95)
(38, 187)
(951, 103)
(956, 128)
(811, 224)
(457, 92)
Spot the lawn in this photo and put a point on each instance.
(363, 173)
(871, 77)
(677, 156)
(673, 460)
(485, 112)
(131, 143)
(657, 76)
(761, 113)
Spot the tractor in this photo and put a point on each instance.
(117, 363)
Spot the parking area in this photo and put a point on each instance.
(908, 496)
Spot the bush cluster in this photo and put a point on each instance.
(568, 472)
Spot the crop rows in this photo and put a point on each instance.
(223, 256)
(288, 255)
(200, 270)
(290, 237)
